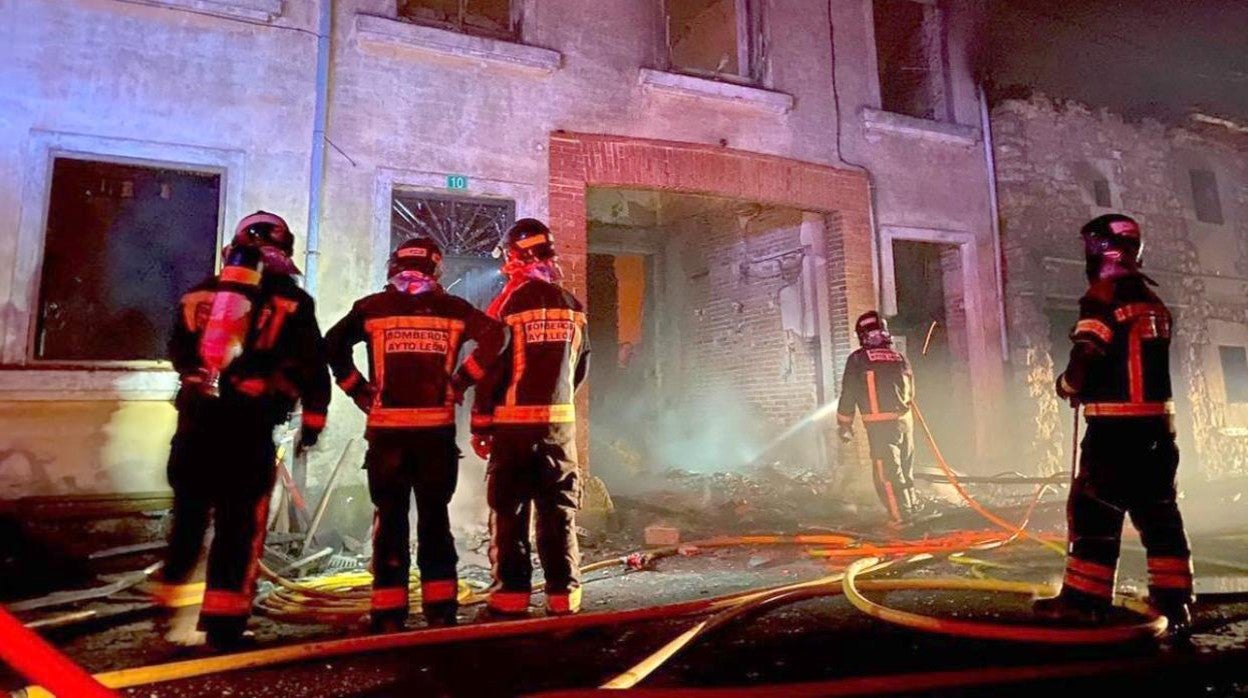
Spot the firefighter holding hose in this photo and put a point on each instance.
(879, 385)
(1119, 372)
(414, 331)
(247, 347)
(524, 422)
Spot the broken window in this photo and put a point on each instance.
(1234, 372)
(494, 18)
(123, 242)
(466, 228)
(908, 47)
(1205, 197)
(715, 38)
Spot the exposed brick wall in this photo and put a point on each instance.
(578, 161)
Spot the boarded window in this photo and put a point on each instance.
(715, 38)
(123, 243)
(484, 17)
(1205, 197)
(1234, 373)
(467, 228)
(908, 55)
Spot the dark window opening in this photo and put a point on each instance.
(908, 55)
(1061, 322)
(467, 228)
(1100, 193)
(123, 243)
(714, 38)
(493, 18)
(1235, 373)
(1205, 197)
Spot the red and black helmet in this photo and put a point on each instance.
(869, 322)
(420, 254)
(1112, 238)
(264, 229)
(529, 240)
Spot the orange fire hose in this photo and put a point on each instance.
(979, 508)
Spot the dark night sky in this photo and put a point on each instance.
(1157, 58)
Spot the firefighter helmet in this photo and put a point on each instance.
(264, 229)
(529, 240)
(872, 329)
(420, 254)
(1111, 239)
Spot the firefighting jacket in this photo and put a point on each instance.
(283, 359)
(1120, 358)
(413, 344)
(878, 383)
(544, 362)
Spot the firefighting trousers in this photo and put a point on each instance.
(1128, 467)
(402, 462)
(221, 469)
(892, 464)
(534, 471)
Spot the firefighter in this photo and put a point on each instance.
(1119, 372)
(524, 423)
(414, 332)
(878, 384)
(247, 347)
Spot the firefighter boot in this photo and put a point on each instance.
(1072, 605)
(441, 615)
(1178, 613)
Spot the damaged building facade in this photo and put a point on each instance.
(1060, 164)
(730, 183)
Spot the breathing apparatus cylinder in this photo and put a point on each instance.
(229, 320)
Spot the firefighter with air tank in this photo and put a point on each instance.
(247, 347)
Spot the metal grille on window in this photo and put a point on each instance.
(466, 228)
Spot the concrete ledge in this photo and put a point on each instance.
(878, 122)
(703, 88)
(258, 10)
(383, 32)
(52, 384)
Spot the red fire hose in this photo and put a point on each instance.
(35, 659)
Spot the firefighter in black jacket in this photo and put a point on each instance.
(414, 331)
(878, 384)
(247, 347)
(1119, 371)
(524, 422)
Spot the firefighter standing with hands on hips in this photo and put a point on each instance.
(1119, 371)
(524, 422)
(878, 384)
(247, 347)
(414, 331)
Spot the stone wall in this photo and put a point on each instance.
(1047, 155)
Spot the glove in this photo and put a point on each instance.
(847, 434)
(482, 445)
(308, 437)
(364, 396)
(1064, 392)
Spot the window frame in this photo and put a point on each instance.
(751, 46)
(515, 33)
(1226, 387)
(1217, 195)
(943, 110)
(84, 378)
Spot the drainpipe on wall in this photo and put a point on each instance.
(991, 162)
(319, 120)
